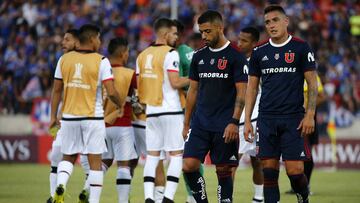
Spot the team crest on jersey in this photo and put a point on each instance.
(212, 61)
(222, 64)
(289, 57)
(277, 56)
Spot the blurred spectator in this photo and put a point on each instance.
(30, 32)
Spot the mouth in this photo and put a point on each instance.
(273, 32)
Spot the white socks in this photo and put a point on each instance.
(65, 169)
(173, 174)
(123, 182)
(259, 189)
(96, 181)
(159, 194)
(149, 175)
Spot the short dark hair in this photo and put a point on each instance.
(87, 31)
(163, 23)
(116, 43)
(255, 34)
(179, 25)
(274, 7)
(210, 16)
(73, 32)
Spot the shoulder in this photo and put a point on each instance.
(262, 45)
(201, 50)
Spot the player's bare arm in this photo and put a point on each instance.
(307, 125)
(176, 81)
(112, 93)
(231, 132)
(55, 101)
(189, 108)
(251, 93)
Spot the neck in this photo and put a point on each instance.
(281, 39)
(222, 41)
(86, 47)
(160, 41)
(248, 54)
(116, 60)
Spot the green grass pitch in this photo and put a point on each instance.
(21, 183)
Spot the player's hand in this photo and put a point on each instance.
(185, 132)
(231, 133)
(54, 126)
(307, 125)
(248, 132)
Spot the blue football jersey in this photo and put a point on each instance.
(217, 71)
(281, 68)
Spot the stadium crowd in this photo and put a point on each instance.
(31, 32)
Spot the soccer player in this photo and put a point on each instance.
(158, 71)
(186, 53)
(214, 103)
(119, 131)
(80, 75)
(248, 38)
(68, 44)
(282, 63)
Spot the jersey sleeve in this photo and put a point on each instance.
(193, 72)
(254, 67)
(172, 61)
(240, 69)
(307, 58)
(58, 74)
(137, 68)
(105, 70)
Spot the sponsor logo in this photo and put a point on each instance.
(233, 158)
(78, 69)
(201, 62)
(279, 70)
(311, 57)
(289, 57)
(265, 58)
(302, 154)
(213, 75)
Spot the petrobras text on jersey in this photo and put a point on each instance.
(213, 75)
(279, 70)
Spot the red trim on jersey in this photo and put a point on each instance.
(107, 79)
(262, 42)
(116, 65)
(176, 71)
(235, 46)
(297, 39)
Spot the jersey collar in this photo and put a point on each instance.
(221, 48)
(282, 44)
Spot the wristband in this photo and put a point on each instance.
(235, 121)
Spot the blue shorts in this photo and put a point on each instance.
(200, 142)
(280, 137)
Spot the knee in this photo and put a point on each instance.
(190, 165)
(295, 169)
(224, 171)
(270, 174)
(256, 164)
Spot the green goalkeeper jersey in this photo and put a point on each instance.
(186, 54)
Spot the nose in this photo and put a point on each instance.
(203, 36)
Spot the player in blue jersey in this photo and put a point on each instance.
(282, 63)
(214, 103)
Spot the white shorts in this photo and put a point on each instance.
(140, 139)
(164, 133)
(120, 143)
(139, 134)
(247, 147)
(82, 136)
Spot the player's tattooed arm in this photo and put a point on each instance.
(310, 77)
(240, 99)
